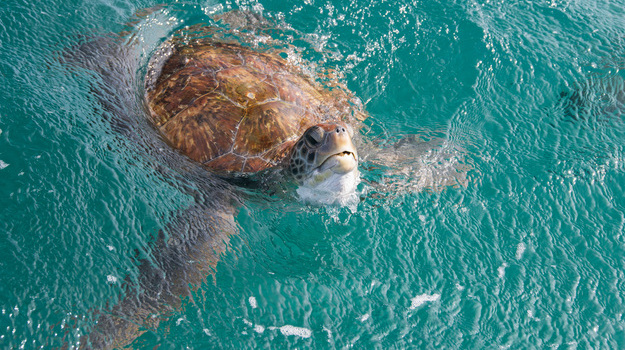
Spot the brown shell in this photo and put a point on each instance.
(234, 109)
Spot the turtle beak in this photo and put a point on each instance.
(340, 163)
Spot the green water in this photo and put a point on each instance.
(529, 255)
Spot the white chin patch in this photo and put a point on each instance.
(329, 188)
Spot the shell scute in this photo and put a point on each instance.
(179, 92)
(213, 57)
(265, 64)
(269, 124)
(206, 129)
(244, 86)
(255, 164)
(297, 90)
(228, 162)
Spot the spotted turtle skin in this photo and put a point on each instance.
(235, 109)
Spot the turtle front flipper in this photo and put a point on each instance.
(414, 164)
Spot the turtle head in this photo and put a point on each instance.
(324, 162)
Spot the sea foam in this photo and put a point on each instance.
(422, 299)
(292, 330)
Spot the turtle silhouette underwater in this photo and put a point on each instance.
(240, 113)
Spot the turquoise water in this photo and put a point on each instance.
(530, 254)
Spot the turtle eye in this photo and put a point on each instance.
(314, 136)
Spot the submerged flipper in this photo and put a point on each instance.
(414, 164)
(185, 254)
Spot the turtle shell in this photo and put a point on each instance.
(232, 108)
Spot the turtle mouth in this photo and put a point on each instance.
(340, 163)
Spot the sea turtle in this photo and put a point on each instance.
(237, 110)
(240, 113)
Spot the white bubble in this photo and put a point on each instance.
(3, 165)
(259, 329)
(422, 299)
(111, 279)
(364, 317)
(501, 271)
(327, 330)
(211, 10)
(520, 249)
(298, 331)
(253, 302)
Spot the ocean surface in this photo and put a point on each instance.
(528, 252)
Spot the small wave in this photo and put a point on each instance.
(253, 302)
(422, 299)
(501, 271)
(520, 249)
